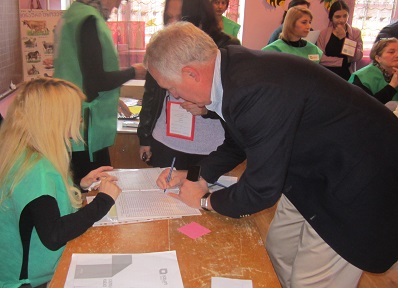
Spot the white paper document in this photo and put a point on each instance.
(349, 47)
(220, 282)
(145, 270)
(312, 36)
(180, 122)
(142, 200)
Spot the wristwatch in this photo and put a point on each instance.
(204, 201)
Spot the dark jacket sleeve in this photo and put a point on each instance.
(54, 231)
(152, 103)
(95, 78)
(224, 159)
(384, 95)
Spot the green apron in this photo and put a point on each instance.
(100, 115)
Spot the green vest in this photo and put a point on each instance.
(372, 78)
(100, 115)
(41, 179)
(230, 27)
(309, 51)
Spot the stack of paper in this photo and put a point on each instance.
(142, 200)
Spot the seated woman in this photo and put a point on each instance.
(38, 201)
(296, 26)
(332, 39)
(380, 78)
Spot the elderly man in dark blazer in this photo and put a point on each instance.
(322, 147)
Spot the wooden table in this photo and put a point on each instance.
(233, 249)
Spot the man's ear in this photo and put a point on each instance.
(191, 72)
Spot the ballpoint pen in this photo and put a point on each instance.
(171, 171)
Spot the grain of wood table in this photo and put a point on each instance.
(233, 249)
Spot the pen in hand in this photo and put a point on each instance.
(171, 171)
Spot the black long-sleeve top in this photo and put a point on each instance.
(384, 95)
(95, 78)
(53, 230)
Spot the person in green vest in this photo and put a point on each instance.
(296, 26)
(380, 78)
(40, 208)
(86, 56)
(227, 25)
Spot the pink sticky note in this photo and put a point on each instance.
(194, 230)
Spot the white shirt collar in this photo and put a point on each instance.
(216, 88)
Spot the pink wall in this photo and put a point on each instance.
(5, 102)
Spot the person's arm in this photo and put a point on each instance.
(322, 41)
(95, 78)
(384, 95)
(54, 231)
(152, 103)
(356, 36)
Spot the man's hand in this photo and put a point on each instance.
(193, 108)
(192, 192)
(145, 153)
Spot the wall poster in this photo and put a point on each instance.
(37, 36)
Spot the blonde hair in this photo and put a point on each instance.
(292, 16)
(176, 46)
(40, 122)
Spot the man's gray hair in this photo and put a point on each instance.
(176, 46)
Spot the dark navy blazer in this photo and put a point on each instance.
(327, 145)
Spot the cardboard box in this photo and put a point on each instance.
(133, 89)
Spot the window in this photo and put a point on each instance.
(370, 16)
(135, 21)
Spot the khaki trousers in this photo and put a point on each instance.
(301, 258)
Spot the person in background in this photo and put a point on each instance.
(86, 56)
(380, 78)
(293, 3)
(227, 25)
(156, 146)
(297, 25)
(389, 31)
(296, 133)
(40, 208)
(332, 39)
